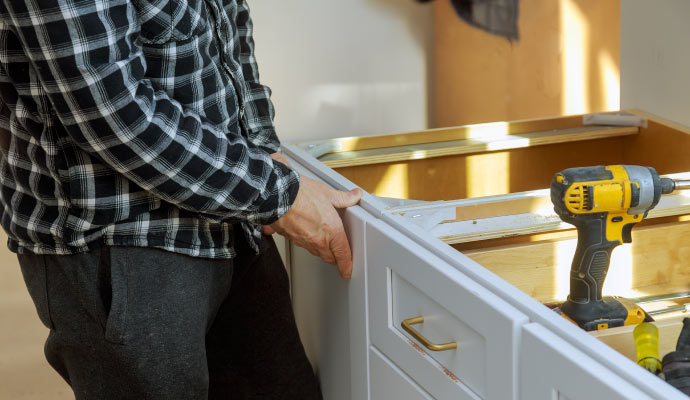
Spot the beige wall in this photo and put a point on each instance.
(655, 59)
(344, 68)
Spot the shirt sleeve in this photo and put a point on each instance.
(258, 106)
(87, 59)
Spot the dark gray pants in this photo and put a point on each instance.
(140, 323)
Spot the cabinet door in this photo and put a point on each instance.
(551, 368)
(389, 382)
(407, 281)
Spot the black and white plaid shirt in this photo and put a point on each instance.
(139, 123)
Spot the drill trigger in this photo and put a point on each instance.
(627, 233)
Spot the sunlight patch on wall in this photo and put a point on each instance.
(574, 49)
(394, 182)
(479, 131)
(483, 178)
(610, 76)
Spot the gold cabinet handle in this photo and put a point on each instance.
(407, 326)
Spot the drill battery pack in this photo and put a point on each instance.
(610, 312)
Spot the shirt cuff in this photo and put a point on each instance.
(288, 181)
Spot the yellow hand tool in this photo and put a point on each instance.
(604, 203)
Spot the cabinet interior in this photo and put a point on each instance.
(527, 154)
(503, 158)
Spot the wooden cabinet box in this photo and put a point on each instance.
(477, 197)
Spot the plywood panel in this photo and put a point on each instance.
(622, 340)
(566, 62)
(656, 257)
(474, 145)
(662, 145)
(481, 174)
(455, 133)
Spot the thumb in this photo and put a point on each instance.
(341, 199)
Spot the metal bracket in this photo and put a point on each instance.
(616, 119)
(319, 149)
(429, 219)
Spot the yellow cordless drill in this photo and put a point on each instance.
(604, 203)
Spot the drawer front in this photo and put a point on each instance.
(389, 382)
(407, 281)
(551, 368)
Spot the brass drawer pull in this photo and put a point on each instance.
(407, 326)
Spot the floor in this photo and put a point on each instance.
(24, 372)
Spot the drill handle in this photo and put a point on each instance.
(591, 261)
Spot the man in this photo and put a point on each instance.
(139, 163)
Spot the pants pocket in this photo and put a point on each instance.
(35, 275)
(116, 321)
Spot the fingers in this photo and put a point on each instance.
(267, 230)
(341, 199)
(340, 248)
(314, 224)
(332, 247)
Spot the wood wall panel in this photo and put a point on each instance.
(566, 48)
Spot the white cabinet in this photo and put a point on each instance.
(551, 368)
(389, 382)
(406, 281)
(507, 344)
(331, 313)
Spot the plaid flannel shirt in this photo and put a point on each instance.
(139, 123)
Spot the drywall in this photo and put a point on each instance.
(344, 68)
(655, 57)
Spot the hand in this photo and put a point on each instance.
(314, 224)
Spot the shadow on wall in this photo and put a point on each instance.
(416, 22)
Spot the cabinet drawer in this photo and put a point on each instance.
(389, 382)
(551, 368)
(407, 281)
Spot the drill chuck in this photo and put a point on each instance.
(675, 185)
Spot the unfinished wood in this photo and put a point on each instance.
(506, 224)
(467, 146)
(658, 255)
(565, 61)
(621, 338)
(503, 240)
(662, 144)
(500, 208)
(482, 174)
(454, 133)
